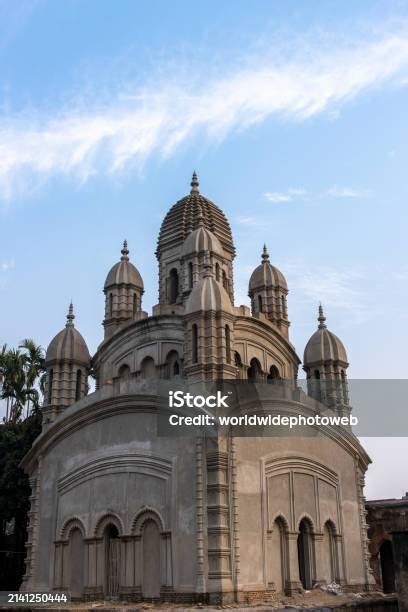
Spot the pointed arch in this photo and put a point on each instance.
(305, 546)
(279, 552)
(254, 371)
(105, 520)
(70, 524)
(146, 514)
(279, 516)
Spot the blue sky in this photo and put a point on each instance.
(294, 115)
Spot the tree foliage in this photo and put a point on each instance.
(22, 373)
(20, 377)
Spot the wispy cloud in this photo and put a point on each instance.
(346, 192)
(284, 196)
(340, 289)
(88, 139)
(290, 195)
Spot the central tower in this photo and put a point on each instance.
(193, 227)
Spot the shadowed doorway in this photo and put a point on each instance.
(151, 560)
(305, 555)
(112, 560)
(387, 567)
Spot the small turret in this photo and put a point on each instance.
(123, 293)
(67, 363)
(268, 291)
(325, 363)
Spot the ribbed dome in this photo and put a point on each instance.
(266, 275)
(182, 217)
(324, 345)
(124, 272)
(201, 240)
(68, 345)
(208, 294)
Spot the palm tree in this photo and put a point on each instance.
(13, 363)
(21, 378)
(34, 368)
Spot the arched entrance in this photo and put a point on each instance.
(112, 560)
(305, 554)
(387, 567)
(76, 563)
(151, 559)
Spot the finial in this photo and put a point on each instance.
(125, 251)
(194, 183)
(70, 316)
(208, 269)
(200, 216)
(265, 254)
(321, 318)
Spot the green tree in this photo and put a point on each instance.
(21, 378)
(16, 439)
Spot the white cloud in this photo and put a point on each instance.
(277, 196)
(335, 191)
(340, 289)
(284, 196)
(347, 192)
(90, 139)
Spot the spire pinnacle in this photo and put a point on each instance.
(194, 183)
(265, 254)
(125, 251)
(321, 318)
(70, 316)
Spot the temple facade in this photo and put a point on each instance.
(119, 511)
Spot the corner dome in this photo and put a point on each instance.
(324, 346)
(182, 217)
(124, 272)
(201, 240)
(208, 294)
(68, 345)
(266, 275)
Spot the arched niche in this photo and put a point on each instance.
(305, 547)
(172, 365)
(255, 373)
(147, 368)
(278, 558)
